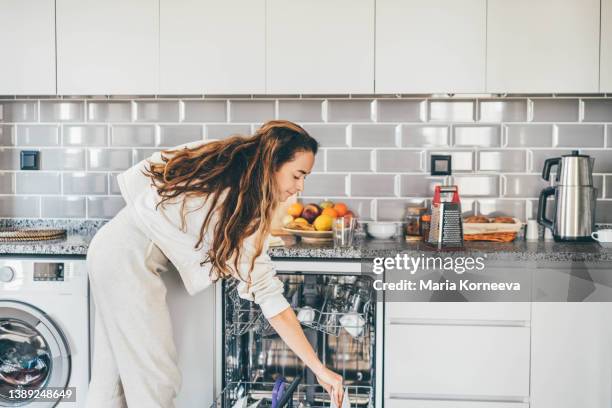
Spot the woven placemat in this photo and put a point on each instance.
(11, 234)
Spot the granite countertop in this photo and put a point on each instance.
(80, 233)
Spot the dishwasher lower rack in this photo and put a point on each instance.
(259, 394)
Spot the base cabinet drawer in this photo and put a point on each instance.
(404, 403)
(506, 311)
(436, 360)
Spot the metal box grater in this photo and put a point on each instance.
(446, 229)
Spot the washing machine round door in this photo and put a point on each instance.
(34, 355)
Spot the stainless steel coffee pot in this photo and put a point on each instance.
(574, 197)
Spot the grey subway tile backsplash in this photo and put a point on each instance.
(302, 110)
(603, 211)
(63, 207)
(85, 183)
(396, 160)
(205, 111)
(372, 185)
(109, 111)
(375, 152)
(528, 135)
(522, 185)
(417, 185)
(38, 135)
(109, 159)
(34, 182)
(556, 110)
(62, 111)
(221, 131)
(157, 111)
(451, 111)
(19, 206)
(7, 183)
(349, 160)
(598, 110)
(425, 136)
(477, 186)
(400, 110)
(174, 135)
(7, 135)
(331, 135)
(481, 136)
(374, 135)
(351, 110)
(104, 207)
(579, 135)
(19, 111)
(85, 135)
(251, 111)
(325, 185)
(132, 135)
(507, 110)
(502, 160)
(62, 159)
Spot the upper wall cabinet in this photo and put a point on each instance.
(543, 46)
(430, 46)
(606, 46)
(212, 47)
(27, 32)
(107, 47)
(320, 46)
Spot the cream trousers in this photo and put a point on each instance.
(135, 359)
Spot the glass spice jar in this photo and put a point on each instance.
(425, 226)
(413, 223)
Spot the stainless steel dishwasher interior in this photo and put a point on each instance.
(337, 313)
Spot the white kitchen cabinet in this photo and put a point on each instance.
(547, 46)
(518, 312)
(212, 47)
(571, 355)
(320, 46)
(27, 30)
(107, 47)
(430, 46)
(606, 46)
(420, 403)
(450, 361)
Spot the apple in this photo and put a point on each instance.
(310, 212)
(326, 204)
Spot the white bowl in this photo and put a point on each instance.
(382, 230)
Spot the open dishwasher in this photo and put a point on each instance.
(339, 315)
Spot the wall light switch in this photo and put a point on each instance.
(29, 160)
(441, 165)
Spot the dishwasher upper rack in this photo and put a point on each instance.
(247, 317)
(360, 396)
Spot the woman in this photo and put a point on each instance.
(207, 208)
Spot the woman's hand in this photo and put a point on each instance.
(289, 329)
(332, 383)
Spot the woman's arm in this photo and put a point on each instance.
(289, 329)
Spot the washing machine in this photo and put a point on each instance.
(44, 338)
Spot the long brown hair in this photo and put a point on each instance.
(242, 166)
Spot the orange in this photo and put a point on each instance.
(330, 211)
(300, 220)
(295, 209)
(341, 209)
(323, 222)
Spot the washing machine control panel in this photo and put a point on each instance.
(7, 274)
(48, 271)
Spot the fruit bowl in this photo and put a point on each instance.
(312, 237)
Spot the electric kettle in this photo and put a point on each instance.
(574, 197)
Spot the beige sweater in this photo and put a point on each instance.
(163, 227)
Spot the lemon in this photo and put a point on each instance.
(323, 222)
